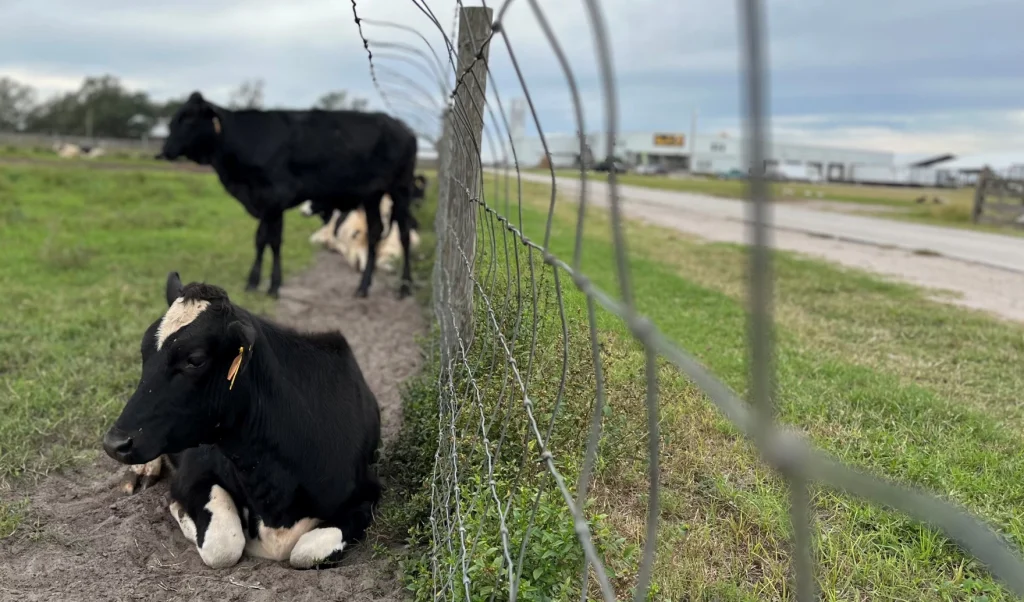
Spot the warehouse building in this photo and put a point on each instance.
(708, 154)
(723, 155)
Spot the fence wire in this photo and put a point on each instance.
(495, 288)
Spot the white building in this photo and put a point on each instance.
(963, 171)
(709, 154)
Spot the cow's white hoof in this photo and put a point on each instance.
(316, 547)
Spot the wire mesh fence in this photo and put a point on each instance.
(522, 407)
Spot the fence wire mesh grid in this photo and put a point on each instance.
(496, 472)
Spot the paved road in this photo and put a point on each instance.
(992, 250)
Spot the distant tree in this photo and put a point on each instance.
(169, 107)
(101, 107)
(339, 99)
(248, 95)
(16, 103)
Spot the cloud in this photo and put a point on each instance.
(928, 75)
(959, 133)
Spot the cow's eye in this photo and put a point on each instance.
(196, 360)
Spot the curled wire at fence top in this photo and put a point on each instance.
(798, 462)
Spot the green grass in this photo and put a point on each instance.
(139, 158)
(888, 201)
(84, 255)
(84, 258)
(872, 371)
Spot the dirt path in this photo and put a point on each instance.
(84, 541)
(972, 269)
(995, 291)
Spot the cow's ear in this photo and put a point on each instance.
(241, 337)
(209, 112)
(241, 333)
(173, 289)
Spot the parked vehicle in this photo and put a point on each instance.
(650, 169)
(732, 174)
(618, 165)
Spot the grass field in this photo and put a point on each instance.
(85, 254)
(889, 201)
(872, 371)
(876, 374)
(45, 154)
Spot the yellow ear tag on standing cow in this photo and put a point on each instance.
(233, 371)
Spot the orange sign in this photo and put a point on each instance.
(668, 140)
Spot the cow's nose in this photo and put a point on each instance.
(117, 445)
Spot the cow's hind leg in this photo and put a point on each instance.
(257, 265)
(403, 217)
(275, 234)
(374, 228)
(325, 545)
(320, 547)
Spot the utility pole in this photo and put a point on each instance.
(88, 122)
(459, 182)
(693, 141)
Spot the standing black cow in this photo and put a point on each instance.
(273, 160)
(273, 433)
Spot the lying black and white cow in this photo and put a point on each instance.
(272, 434)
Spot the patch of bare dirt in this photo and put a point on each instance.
(83, 540)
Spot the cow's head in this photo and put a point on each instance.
(184, 395)
(193, 131)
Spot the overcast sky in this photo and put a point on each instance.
(900, 75)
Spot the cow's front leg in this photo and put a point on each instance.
(275, 234)
(374, 228)
(209, 519)
(257, 265)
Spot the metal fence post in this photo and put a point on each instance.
(459, 182)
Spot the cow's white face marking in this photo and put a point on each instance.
(224, 540)
(306, 208)
(180, 314)
(277, 544)
(316, 546)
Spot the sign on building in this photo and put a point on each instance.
(668, 140)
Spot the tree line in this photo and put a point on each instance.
(103, 107)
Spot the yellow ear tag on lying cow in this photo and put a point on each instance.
(233, 371)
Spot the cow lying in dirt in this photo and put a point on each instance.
(271, 434)
(347, 235)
